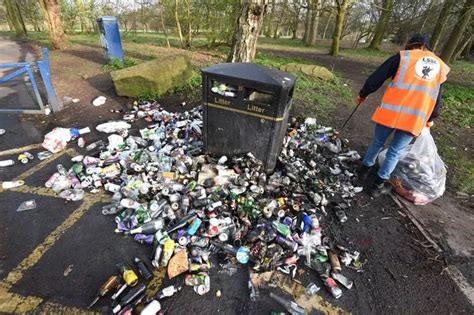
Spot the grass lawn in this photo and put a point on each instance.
(455, 136)
(312, 97)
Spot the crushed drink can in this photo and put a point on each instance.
(333, 288)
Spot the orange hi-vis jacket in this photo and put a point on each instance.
(410, 98)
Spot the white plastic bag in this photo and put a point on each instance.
(420, 175)
(113, 126)
(57, 139)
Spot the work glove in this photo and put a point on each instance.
(429, 124)
(360, 99)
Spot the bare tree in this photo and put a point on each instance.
(457, 32)
(463, 43)
(467, 51)
(327, 24)
(189, 34)
(307, 24)
(249, 24)
(53, 22)
(296, 8)
(387, 7)
(313, 28)
(341, 15)
(427, 15)
(441, 22)
(178, 24)
(15, 18)
(162, 21)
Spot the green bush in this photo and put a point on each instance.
(117, 64)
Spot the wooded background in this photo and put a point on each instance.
(361, 23)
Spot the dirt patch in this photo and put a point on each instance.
(78, 72)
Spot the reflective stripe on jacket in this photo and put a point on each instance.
(411, 96)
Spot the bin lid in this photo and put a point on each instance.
(107, 18)
(252, 72)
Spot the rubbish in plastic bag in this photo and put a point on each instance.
(420, 175)
(57, 139)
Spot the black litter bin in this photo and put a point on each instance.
(246, 109)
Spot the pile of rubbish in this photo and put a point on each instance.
(187, 206)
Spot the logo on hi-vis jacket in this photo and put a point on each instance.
(427, 68)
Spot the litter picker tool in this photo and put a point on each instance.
(350, 116)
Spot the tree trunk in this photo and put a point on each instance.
(53, 23)
(276, 25)
(440, 23)
(307, 24)
(462, 45)
(313, 32)
(163, 26)
(293, 32)
(178, 25)
(82, 15)
(457, 32)
(249, 23)
(189, 34)
(327, 25)
(382, 24)
(276, 32)
(269, 20)
(467, 51)
(294, 26)
(315, 25)
(14, 18)
(427, 15)
(341, 15)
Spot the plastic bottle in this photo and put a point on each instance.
(61, 183)
(149, 228)
(113, 126)
(12, 184)
(6, 163)
(129, 203)
(168, 291)
(131, 296)
(290, 306)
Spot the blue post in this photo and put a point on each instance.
(45, 72)
(110, 37)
